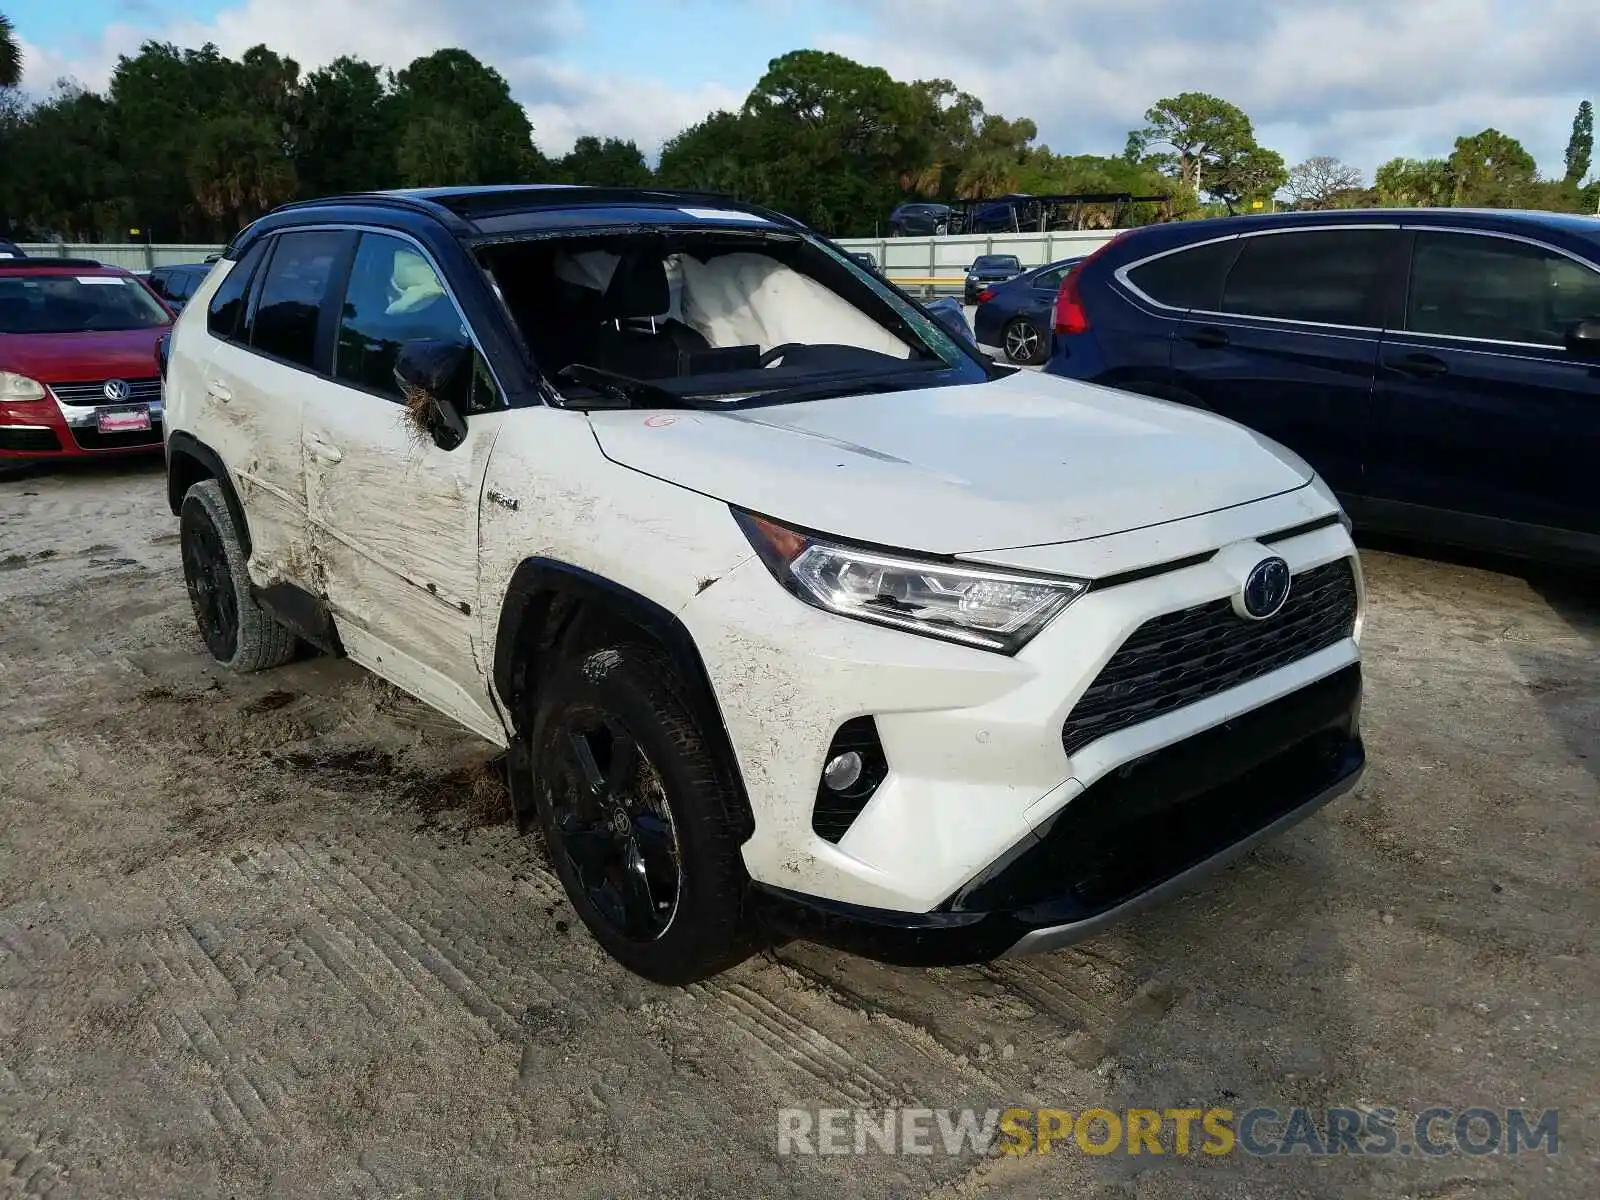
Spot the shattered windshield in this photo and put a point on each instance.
(718, 317)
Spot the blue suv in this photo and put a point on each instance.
(1439, 367)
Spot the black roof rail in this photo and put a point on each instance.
(458, 206)
(397, 200)
(12, 264)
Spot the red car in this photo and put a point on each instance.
(78, 369)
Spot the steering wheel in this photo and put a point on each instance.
(777, 352)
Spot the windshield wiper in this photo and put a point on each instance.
(630, 392)
(827, 391)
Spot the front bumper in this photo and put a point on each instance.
(976, 747)
(47, 429)
(1140, 835)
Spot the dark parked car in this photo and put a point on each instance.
(1014, 316)
(948, 312)
(989, 269)
(862, 259)
(11, 250)
(1439, 367)
(175, 284)
(920, 219)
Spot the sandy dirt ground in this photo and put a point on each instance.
(276, 936)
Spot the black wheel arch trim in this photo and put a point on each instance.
(535, 585)
(182, 445)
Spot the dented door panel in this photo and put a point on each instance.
(394, 534)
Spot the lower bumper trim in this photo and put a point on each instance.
(1123, 845)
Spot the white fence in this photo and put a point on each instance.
(922, 264)
(135, 256)
(938, 264)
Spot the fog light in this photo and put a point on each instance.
(842, 771)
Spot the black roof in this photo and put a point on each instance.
(498, 211)
(1485, 218)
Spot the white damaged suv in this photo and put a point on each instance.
(797, 617)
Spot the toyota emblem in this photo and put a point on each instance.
(117, 390)
(1266, 589)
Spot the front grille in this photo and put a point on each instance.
(80, 395)
(33, 441)
(90, 438)
(1183, 657)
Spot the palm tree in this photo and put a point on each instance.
(10, 55)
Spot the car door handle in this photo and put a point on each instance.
(1424, 366)
(218, 391)
(1208, 338)
(326, 451)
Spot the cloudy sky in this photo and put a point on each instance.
(1361, 79)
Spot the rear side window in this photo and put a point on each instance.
(1187, 278)
(1495, 289)
(1331, 276)
(227, 302)
(299, 277)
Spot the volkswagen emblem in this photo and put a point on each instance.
(117, 390)
(1266, 589)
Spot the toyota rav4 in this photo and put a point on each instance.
(796, 616)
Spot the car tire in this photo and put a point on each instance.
(634, 807)
(240, 634)
(1023, 343)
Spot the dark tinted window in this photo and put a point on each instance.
(1188, 278)
(227, 302)
(395, 296)
(1051, 278)
(1496, 289)
(180, 285)
(158, 284)
(997, 262)
(284, 324)
(1331, 276)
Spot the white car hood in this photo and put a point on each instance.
(1028, 460)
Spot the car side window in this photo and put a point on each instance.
(1496, 289)
(227, 302)
(158, 284)
(394, 296)
(1187, 278)
(1327, 276)
(1050, 279)
(293, 292)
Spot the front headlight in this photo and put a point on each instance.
(977, 606)
(19, 387)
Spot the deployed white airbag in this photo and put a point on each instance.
(752, 300)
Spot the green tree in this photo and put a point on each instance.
(1580, 146)
(1201, 134)
(491, 142)
(346, 139)
(714, 155)
(1491, 170)
(238, 170)
(1414, 183)
(1247, 173)
(10, 54)
(63, 175)
(437, 151)
(835, 138)
(609, 163)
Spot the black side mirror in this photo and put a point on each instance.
(435, 378)
(1584, 338)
